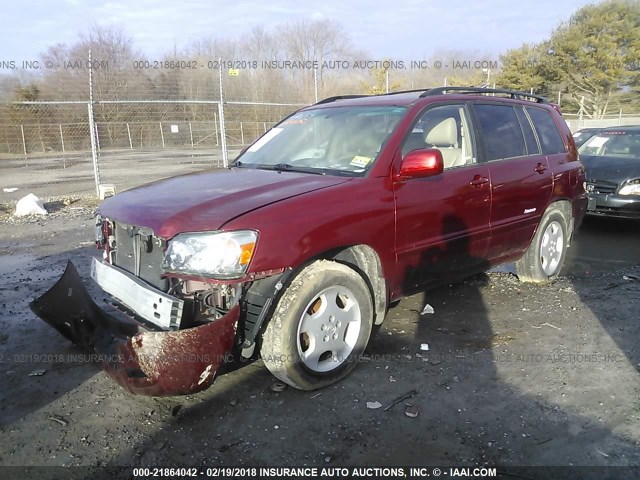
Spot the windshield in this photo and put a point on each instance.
(613, 144)
(326, 140)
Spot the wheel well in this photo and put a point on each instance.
(258, 299)
(366, 262)
(566, 208)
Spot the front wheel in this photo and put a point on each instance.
(544, 258)
(320, 326)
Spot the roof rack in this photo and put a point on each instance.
(338, 97)
(346, 97)
(427, 92)
(515, 94)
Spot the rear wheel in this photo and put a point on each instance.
(320, 326)
(545, 256)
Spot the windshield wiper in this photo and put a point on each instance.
(282, 167)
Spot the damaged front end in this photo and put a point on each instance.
(162, 334)
(144, 362)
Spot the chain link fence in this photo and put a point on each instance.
(46, 147)
(78, 128)
(577, 122)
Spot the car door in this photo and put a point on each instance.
(442, 222)
(521, 180)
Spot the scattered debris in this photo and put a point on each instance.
(30, 205)
(58, 419)
(633, 278)
(424, 347)
(175, 410)
(546, 324)
(427, 309)
(602, 453)
(401, 399)
(373, 405)
(327, 459)
(412, 411)
(278, 387)
(224, 448)
(233, 402)
(392, 379)
(445, 330)
(9, 189)
(38, 372)
(317, 395)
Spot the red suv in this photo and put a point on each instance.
(295, 252)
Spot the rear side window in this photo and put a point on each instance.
(501, 131)
(550, 139)
(527, 130)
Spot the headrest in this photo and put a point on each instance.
(444, 134)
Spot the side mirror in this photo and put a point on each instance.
(421, 164)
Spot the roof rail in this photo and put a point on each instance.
(465, 90)
(415, 90)
(339, 97)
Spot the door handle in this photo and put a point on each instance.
(540, 168)
(478, 181)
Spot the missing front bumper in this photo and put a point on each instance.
(149, 363)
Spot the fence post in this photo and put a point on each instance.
(191, 134)
(620, 118)
(24, 143)
(215, 127)
(161, 134)
(241, 134)
(92, 131)
(581, 113)
(97, 130)
(223, 134)
(129, 134)
(315, 83)
(61, 137)
(64, 157)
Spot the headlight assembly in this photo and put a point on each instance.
(222, 255)
(630, 188)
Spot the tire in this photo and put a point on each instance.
(545, 256)
(320, 326)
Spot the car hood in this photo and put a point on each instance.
(610, 169)
(207, 200)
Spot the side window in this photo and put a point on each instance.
(501, 130)
(529, 137)
(446, 128)
(550, 138)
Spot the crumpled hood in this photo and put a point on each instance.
(610, 169)
(207, 200)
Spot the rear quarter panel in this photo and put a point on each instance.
(568, 174)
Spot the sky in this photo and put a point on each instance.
(400, 29)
